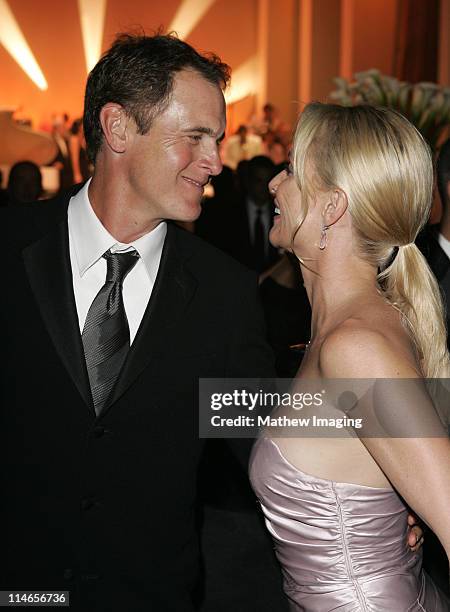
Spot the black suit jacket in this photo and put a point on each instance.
(226, 225)
(440, 266)
(104, 506)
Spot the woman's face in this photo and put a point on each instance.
(288, 209)
(291, 212)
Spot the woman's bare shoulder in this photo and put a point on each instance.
(364, 348)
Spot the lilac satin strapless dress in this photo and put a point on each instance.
(341, 546)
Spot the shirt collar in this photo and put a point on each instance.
(91, 239)
(444, 244)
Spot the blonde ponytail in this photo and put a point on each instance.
(409, 285)
(385, 168)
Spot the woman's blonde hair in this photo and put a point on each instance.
(385, 168)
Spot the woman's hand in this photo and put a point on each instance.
(415, 533)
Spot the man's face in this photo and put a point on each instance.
(169, 166)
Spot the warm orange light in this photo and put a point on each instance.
(244, 81)
(13, 40)
(92, 18)
(189, 13)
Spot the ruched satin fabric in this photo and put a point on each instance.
(342, 547)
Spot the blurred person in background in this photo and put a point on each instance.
(287, 313)
(24, 183)
(278, 154)
(78, 155)
(241, 146)
(3, 192)
(436, 239)
(249, 241)
(212, 222)
(239, 222)
(62, 161)
(271, 127)
(435, 245)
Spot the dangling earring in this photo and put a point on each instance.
(323, 238)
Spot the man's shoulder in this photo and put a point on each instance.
(22, 224)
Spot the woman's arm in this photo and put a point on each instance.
(418, 467)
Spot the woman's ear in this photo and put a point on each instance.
(114, 122)
(335, 207)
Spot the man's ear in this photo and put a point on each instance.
(335, 207)
(114, 122)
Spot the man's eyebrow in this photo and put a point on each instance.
(205, 130)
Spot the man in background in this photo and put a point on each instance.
(439, 246)
(241, 146)
(435, 245)
(62, 161)
(240, 224)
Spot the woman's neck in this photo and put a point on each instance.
(336, 291)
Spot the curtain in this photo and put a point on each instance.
(417, 37)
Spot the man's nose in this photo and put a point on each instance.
(211, 161)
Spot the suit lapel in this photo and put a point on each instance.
(47, 263)
(173, 290)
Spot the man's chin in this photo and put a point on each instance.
(187, 216)
(193, 212)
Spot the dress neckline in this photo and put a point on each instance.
(326, 481)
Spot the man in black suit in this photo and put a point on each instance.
(240, 226)
(250, 244)
(439, 256)
(435, 243)
(110, 314)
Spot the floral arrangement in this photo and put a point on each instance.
(426, 105)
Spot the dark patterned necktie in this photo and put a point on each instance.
(106, 335)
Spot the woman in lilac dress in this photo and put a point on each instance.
(350, 207)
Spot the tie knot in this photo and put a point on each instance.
(119, 264)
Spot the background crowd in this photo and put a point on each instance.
(237, 213)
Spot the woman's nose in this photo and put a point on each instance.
(275, 182)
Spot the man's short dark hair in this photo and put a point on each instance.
(443, 172)
(137, 72)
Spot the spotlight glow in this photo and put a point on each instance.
(244, 81)
(15, 43)
(189, 13)
(92, 18)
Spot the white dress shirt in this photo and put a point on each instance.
(444, 244)
(89, 240)
(252, 211)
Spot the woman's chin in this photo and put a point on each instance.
(275, 238)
